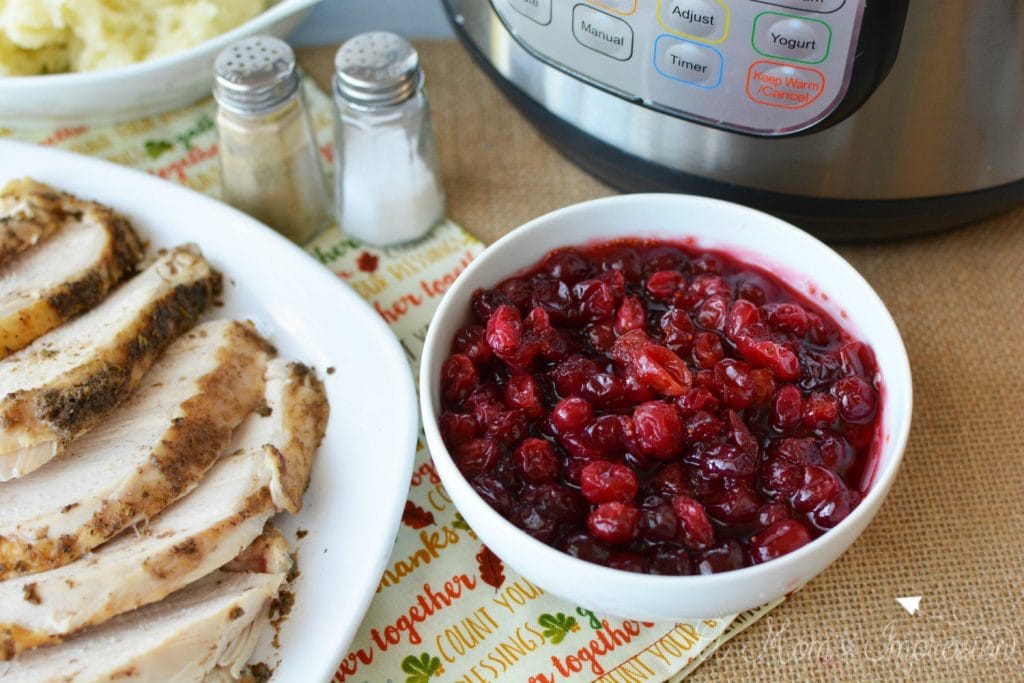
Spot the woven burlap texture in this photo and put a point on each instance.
(951, 527)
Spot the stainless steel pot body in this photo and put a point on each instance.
(947, 120)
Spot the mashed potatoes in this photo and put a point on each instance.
(48, 36)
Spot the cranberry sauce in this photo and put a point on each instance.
(655, 408)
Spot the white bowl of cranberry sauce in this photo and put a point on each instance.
(664, 406)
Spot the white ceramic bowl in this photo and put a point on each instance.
(131, 92)
(799, 259)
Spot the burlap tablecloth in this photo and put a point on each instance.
(951, 528)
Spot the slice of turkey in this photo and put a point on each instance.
(85, 250)
(66, 381)
(152, 451)
(268, 554)
(266, 473)
(202, 628)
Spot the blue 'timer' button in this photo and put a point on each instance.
(688, 62)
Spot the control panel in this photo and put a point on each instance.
(765, 67)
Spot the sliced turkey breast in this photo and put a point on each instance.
(267, 470)
(66, 381)
(85, 251)
(154, 449)
(268, 554)
(203, 628)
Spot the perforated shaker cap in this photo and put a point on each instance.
(255, 75)
(377, 69)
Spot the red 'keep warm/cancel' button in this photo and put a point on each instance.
(784, 85)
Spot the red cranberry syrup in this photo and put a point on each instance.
(654, 408)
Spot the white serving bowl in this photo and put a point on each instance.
(802, 261)
(137, 90)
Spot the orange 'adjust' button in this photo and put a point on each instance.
(784, 85)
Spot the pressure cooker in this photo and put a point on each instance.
(856, 119)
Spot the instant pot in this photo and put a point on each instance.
(856, 119)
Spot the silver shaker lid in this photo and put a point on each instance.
(255, 75)
(377, 69)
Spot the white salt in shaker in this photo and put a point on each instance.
(387, 179)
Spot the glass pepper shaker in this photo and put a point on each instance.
(270, 167)
(387, 178)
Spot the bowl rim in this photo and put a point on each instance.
(273, 13)
(551, 556)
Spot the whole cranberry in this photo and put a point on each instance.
(476, 456)
(707, 350)
(494, 492)
(723, 460)
(472, 341)
(663, 284)
(804, 451)
(670, 561)
(777, 540)
(536, 461)
(631, 315)
(734, 506)
(595, 300)
(571, 375)
(614, 523)
(508, 427)
(677, 330)
(624, 259)
(836, 453)
(524, 392)
(456, 428)
(579, 447)
(787, 408)
(780, 478)
(606, 482)
(834, 509)
(857, 400)
(504, 331)
(604, 389)
(742, 314)
(819, 485)
(585, 547)
(626, 346)
(627, 562)
(701, 427)
(605, 434)
(657, 430)
(571, 415)
(734, 383)
(783, 363)
(458, 378)
(695, 528)
(788, 318)
(770, 513)
(566, 265)
(820, 411)
(723, 557)
(659, 523)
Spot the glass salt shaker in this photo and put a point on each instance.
(386, 173)
(270, 167)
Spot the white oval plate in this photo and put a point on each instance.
(361, 474)
(137, 90)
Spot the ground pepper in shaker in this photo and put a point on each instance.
(270, 167)
(386, 171)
